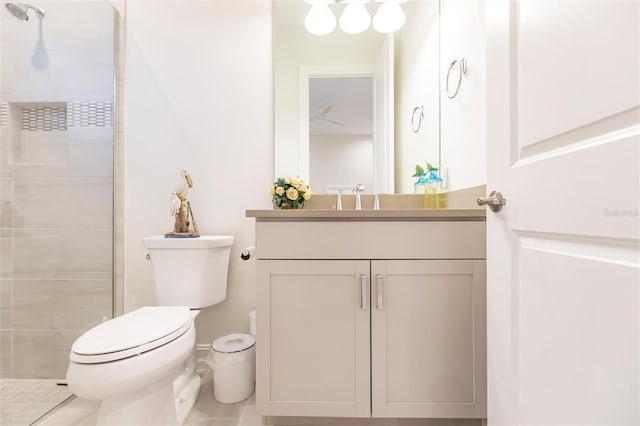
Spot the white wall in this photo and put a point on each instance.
(341, 160)
(463, 140)
(198, 95)
(416, 83)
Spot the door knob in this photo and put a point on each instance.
(495, 201)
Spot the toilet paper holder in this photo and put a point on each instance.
(248, 252)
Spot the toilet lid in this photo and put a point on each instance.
(131, 334)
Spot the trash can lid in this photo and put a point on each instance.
(235, 342)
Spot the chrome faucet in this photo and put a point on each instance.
(376, 202)
(359, 189)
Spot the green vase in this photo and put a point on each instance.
(288, 205)
(419, 186)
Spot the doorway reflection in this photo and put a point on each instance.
(341, 139)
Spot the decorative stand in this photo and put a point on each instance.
(181, 209)
(181, 225)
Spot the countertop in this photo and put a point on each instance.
(461, 205)
(369, 215)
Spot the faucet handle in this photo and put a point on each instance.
(376, 202)
(359, 189)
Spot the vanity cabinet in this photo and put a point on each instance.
(428, 338)
(314, 356)
(366, 319)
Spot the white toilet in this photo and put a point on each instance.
(141, 365)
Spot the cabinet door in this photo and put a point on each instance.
(428, 338)
(313, 338)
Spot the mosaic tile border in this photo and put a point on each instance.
(44, 119)
(60, 118)
(4, 114)
(90, 114)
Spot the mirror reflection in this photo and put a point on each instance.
(340, 132)
(320, 79)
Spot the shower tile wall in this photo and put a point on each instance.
(56, 183)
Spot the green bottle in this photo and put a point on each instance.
(419, 186)
(421, 183)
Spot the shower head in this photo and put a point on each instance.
(19, 10)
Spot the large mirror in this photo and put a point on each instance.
(360, 108)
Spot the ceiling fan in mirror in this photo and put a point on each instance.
(322, 116)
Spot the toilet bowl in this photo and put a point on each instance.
(130, 363)
(141, 365)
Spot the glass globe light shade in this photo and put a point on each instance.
(320, 20)
(355, 18)
(389, 18)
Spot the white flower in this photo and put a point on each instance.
(293, 188)
(292, 194)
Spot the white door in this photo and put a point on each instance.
(563, 135)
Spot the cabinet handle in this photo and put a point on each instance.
(379, 279)
(363, 292)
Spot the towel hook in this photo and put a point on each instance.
(462, 64)
(416, 128)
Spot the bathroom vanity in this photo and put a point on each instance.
(371, 313)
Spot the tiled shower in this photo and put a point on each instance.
(56, 182)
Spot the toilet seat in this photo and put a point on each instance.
(131, 334)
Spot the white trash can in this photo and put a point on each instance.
(233, 360)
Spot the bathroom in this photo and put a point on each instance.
(185, 97)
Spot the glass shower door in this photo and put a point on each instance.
(56, 182)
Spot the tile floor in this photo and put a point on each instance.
(23, 401)
(206, 412)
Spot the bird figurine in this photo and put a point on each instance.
(182, 189)
(180, 208)
(175, 204)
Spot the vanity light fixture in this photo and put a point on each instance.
(355, 18)
(320, 19)
(389, 17)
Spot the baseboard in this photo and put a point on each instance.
(352, 421)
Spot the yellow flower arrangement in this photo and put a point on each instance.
(290, 193)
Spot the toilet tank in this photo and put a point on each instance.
(190, 271)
